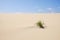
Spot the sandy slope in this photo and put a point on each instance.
(14, 27)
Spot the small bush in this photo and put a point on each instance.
(40, 24)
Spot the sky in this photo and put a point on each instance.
(30, 6)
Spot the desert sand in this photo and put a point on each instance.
(16, 27)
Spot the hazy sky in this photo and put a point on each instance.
(31, 6)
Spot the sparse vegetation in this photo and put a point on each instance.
(40, 24)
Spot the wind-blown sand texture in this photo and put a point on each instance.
(16, 27)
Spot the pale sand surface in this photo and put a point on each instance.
(14, 27)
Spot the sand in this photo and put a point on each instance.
(16, 27)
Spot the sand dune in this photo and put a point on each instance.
(15, 27)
